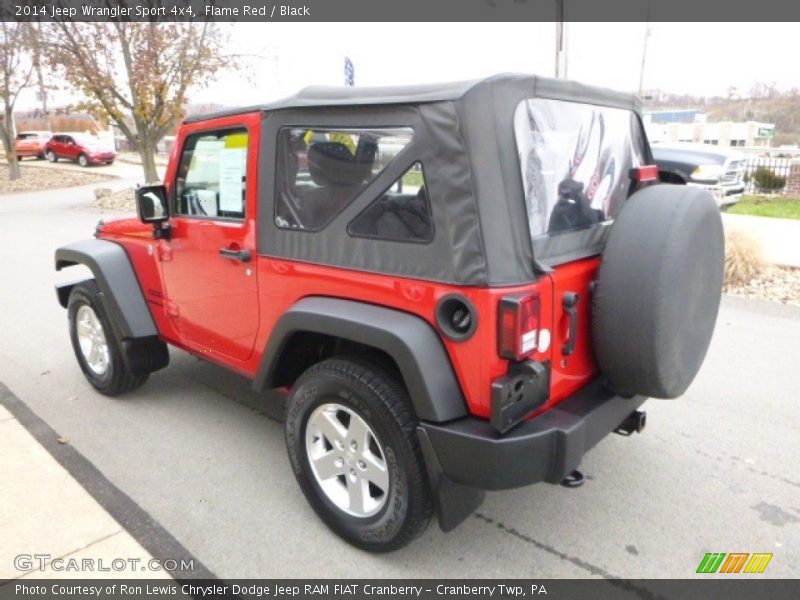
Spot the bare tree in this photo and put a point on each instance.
(139, 75)
(16, 72)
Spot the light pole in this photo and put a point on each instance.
(561, 41)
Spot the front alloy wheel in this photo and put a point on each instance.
(51, 156)
(95, 343)
(92, 340)
(83, 161)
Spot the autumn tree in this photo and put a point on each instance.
(138, 75)
(16, 71)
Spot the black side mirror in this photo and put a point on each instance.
(151, 204)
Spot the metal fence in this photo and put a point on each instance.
(766, 174)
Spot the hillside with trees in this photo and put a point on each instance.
(763, 103)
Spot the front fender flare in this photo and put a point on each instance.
(409, 340)
(112, 270)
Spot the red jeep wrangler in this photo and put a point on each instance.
(462, 287)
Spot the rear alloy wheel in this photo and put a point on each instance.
(51, 156)
(95, 344)
(351, 437)
(83, 161)
(347, 460)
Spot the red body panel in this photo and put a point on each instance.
(31, 146)
(212, 307)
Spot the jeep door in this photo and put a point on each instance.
(209, 264)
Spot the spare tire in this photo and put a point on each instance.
(658, 290)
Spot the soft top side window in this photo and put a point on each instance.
(402, 213)
(320, 171)
(212, 175)
(575, 160)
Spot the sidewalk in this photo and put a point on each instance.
(44, 511)
(779, 238)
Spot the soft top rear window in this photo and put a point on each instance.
(575, 160)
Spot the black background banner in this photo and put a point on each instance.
(400, 10)
(705, 588)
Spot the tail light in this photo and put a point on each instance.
(518, 325)
(645, 173)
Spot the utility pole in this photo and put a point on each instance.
(561, 41)
(647, 30)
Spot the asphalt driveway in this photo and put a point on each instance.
(715, 471)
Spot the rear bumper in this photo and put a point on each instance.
(469, 454)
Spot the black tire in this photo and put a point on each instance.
(83, 160)
(19, 158)
(51, 156)
(658, 291)
(40, 157)
(383, 403)
(116, 379)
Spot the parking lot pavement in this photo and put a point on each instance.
(715, 471)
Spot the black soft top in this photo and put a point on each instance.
(321, 95)
(464, 138)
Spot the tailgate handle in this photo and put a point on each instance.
(569, 301)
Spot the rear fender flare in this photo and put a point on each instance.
(409, 340)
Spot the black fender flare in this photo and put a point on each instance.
(143, 351)
(409, 340)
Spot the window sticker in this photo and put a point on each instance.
(231, 178)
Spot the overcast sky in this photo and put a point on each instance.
(695, 58)
(702, 58)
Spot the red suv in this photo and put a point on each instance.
(461, 287)
(31, 143)
(82, 148)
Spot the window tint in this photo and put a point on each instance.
(26, 136)
(401, 214)
(320, 171)
(575, 161)
(212, 175)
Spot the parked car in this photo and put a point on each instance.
(461, 287)
(719, 170)
(31, 143)
(82, 148)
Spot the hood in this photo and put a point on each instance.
(128, 226)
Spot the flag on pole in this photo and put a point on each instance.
(349, 72)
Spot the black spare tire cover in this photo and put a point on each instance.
(658, 290)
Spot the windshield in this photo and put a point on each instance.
(575, 160)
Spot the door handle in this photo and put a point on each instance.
(569, 301)
(243, 255)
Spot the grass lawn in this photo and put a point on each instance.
(763, 206)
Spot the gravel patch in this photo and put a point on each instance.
(777, 284)
(36, 178)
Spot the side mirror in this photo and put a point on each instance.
(151, 204)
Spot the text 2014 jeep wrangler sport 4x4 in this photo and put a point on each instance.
(463, 287)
